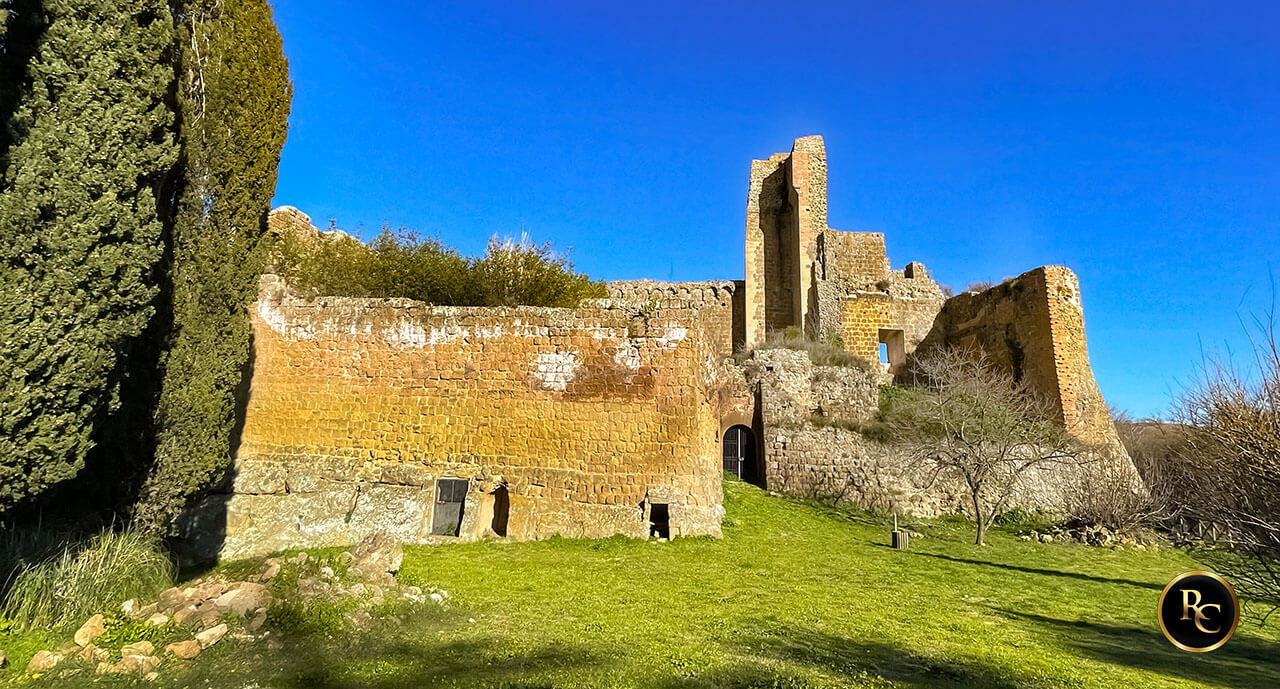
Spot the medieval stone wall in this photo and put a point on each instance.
(711, 304)
(357, 406)
(1033, 326)
(811, 445)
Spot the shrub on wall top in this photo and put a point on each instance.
(406, 265)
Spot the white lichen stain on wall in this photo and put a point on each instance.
(279, 322)
(448, 333)
(672, 336)
(555, 370)
(406, 335)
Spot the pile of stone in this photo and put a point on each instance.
(204, 608)
(1094, 535)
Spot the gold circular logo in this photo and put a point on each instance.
(1198, 611)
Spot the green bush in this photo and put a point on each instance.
(406, 265)
(93, 576)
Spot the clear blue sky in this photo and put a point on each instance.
(1136, 142)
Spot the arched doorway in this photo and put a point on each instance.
(501, 511)
(740, 452)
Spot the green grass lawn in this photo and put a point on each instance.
(794, 595)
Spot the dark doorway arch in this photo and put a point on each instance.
(501, 510)
(740, 453)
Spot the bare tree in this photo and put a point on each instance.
(967, 420)
(1232, 433)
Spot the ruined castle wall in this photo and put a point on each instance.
(1033, 326)
(807, 195)
(811, 445)
(786, 213)
(357, 406)
(710, 304)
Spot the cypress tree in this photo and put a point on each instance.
(234, 95)
(87, 149)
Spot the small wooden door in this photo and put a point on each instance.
(451, 497)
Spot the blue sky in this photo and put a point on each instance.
(1137, 143)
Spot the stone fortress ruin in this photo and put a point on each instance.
(619, 416)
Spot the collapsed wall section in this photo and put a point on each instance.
(1033, 326)
(557, 421)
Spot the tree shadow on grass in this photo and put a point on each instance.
(851, 660)
(311, 662)
(1046, 572)
(1243, 663)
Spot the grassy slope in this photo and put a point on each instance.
(795, 595)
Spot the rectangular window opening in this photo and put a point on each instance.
(893, 349)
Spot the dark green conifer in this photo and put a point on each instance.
(88, 145)
(234, 95)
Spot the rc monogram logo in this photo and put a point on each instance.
(1198, 611)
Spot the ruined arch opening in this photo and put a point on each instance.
(739, 452)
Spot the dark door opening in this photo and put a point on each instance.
(451, 496)
(659, 520)
(740, 453)
(501, 510)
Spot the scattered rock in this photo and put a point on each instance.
(345, 559)
(327, 572)
(300, 559)
(141, 664)
(210, 590)
(3, 661)
(171, 600)
(158, 620)
(377, 557)
(211, 635)
(185, 615)
(141, 648)
(270, 572)
(437, 599)
(1046, 538)
(185, 650)
(91, 654)
(243, 600)
(44, 661)
(131, 607)
(92, 629)
(259, 618)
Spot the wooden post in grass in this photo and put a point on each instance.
(900, 539)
